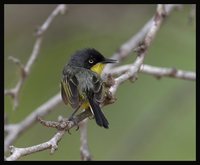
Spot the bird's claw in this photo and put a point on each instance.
(77, 128)
(69, 131)
(75, 122)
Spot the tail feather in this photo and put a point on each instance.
(98, 114)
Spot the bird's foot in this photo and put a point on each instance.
(72, 118)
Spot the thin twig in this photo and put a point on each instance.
(52, 144)
(14, 130)
(161, 13)
(126, 48)
(17, 153)
(65, 123)
(157, 72)
(169, 72)
(129, 46)
(25, 70)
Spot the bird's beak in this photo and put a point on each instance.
(108, 60)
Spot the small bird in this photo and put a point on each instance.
(82, 85)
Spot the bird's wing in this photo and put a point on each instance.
(98, 88)
(69, 91)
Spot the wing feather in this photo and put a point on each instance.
(69, 91)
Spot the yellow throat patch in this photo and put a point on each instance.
(98, 68)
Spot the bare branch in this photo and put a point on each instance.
(52, 144)
(84, 149)
(60, 9)
(17, 153)
(16, 61)
(25, 70)
(162, 11)
(15, 129)
(169, 72)
(157, 71)
(146, 35)
(129, 46)
(65, 123)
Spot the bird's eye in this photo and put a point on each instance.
(91, 61)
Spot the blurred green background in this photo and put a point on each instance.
(151, 119)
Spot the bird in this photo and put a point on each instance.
(81, 84)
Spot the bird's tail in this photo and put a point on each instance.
(98, 114)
